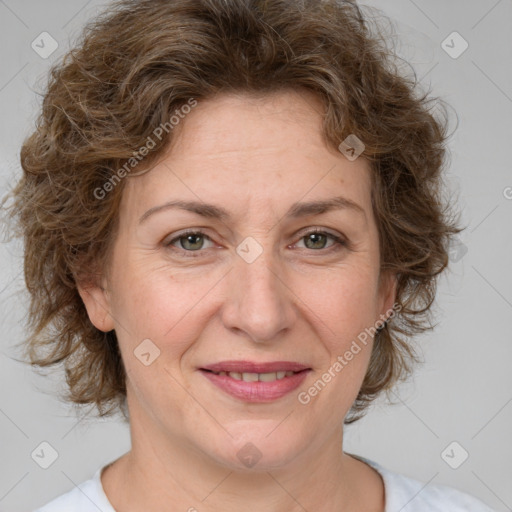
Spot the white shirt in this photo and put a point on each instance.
(402, 494)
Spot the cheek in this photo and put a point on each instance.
(151, 302)
(153, 305)
(345, 302)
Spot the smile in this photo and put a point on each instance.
(256, 382)
(254, 377)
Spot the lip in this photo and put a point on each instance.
(256, 392)
(254, 367)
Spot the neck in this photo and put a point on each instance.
(158, 472)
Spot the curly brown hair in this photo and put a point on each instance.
(140, 61)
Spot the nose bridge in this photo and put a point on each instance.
(258, 303)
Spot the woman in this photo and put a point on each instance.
(233, 225)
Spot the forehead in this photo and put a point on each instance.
(243, 125)
(242, 150)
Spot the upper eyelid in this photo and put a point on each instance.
(301, 234)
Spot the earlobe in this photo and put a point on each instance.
(97, 303)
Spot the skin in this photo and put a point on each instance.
(298, 301)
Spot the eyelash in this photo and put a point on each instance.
(339, 242)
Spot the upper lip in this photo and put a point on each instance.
(254, 367)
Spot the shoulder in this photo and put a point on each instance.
(86, 497)
(410, 495)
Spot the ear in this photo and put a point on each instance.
(387, 293)
(97, 302)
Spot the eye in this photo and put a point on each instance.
(193, 241)
(317, 240)
(189, 241)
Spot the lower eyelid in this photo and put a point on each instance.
(338, 241)
(176, 239)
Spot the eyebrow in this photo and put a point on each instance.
(295, 211)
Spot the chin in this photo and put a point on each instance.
(257, 448)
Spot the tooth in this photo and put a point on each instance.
(255, 377)
(267, 377)
(250, 377)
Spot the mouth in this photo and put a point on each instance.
(257, 377)
(256, 382)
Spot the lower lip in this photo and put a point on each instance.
(257, 391)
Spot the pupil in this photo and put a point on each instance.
(190, 239)
(194, 242)
(317, 239)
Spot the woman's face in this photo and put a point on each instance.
(251, 286)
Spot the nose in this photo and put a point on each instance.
(259, 302)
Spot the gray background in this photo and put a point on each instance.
(463, 391)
